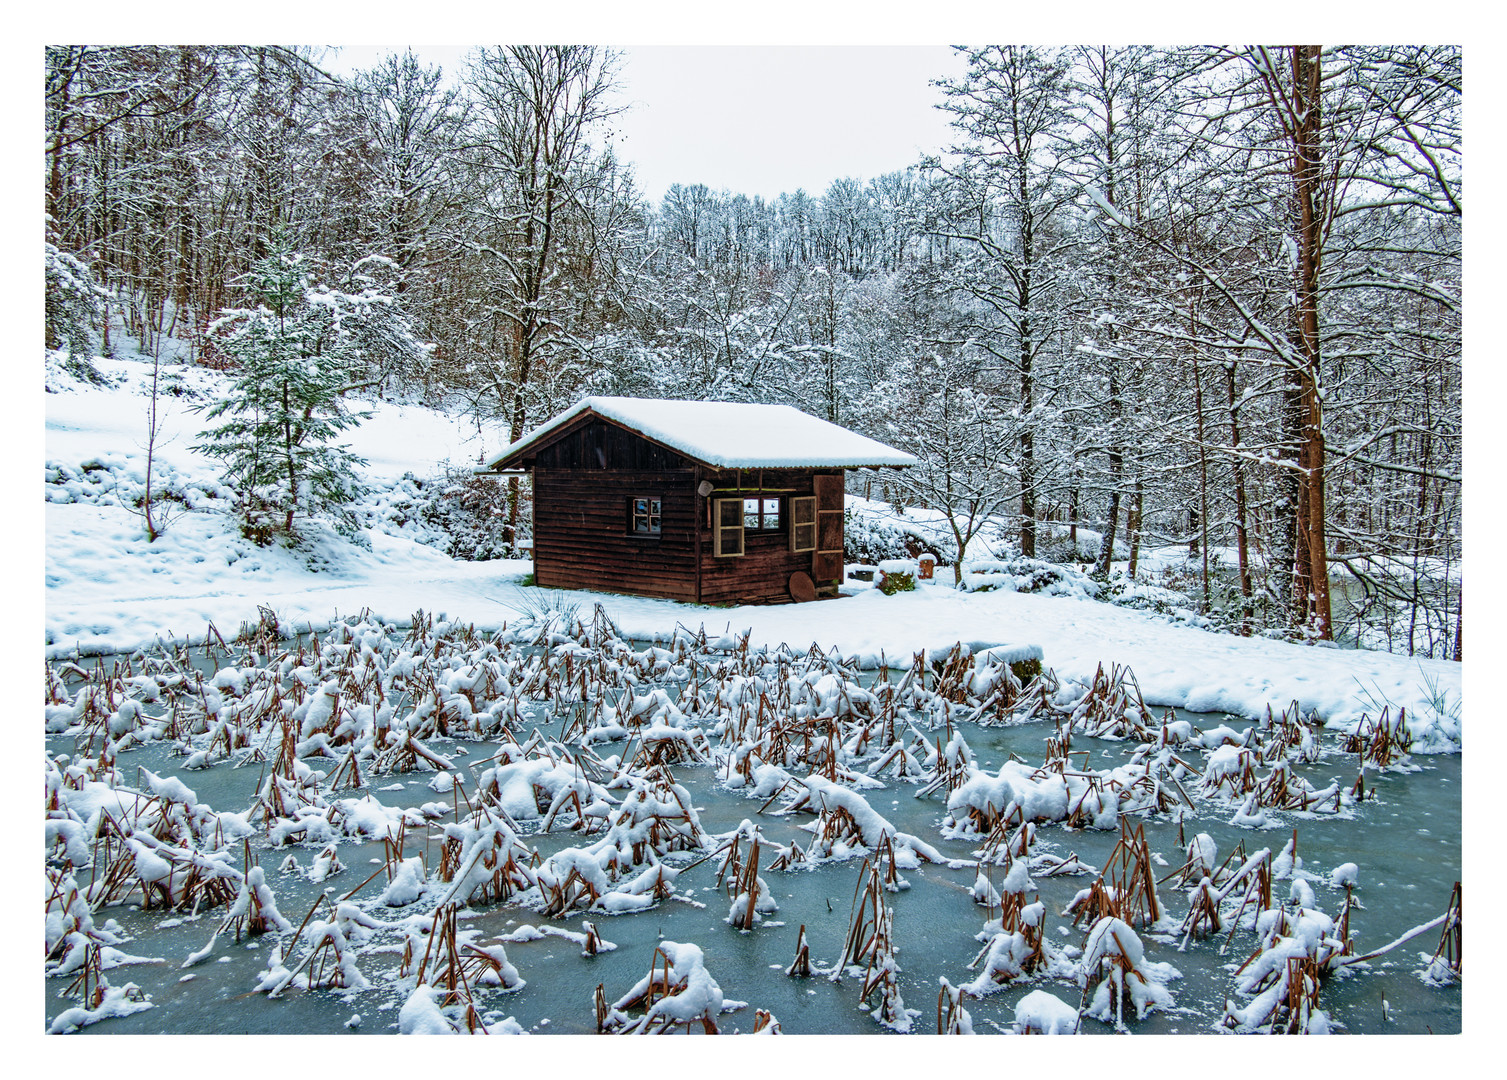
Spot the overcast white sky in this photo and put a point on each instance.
(761, 120)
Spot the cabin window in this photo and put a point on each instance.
(727, 527)
(761, 514)
(803, 523)
(643, 515)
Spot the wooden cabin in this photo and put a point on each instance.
(701, 501)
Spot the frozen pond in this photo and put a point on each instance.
(1404, 838)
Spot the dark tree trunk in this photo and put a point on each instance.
(1027, 389)
(1247, 608)
(1072, 515)
(1116, 480)
(1133, 526)
(1201, 538)
(1307, 165)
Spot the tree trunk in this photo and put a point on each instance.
(1072, 514)
(1027, 404)
(1289, 547)
(1107, 545)
(1247, 608)
(1116, 405)
(1460, 629)
(55, 180)
(1201, 540)
(1307, 164)
(289, 460)
(1116, 476)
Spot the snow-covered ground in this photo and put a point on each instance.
(108, 589)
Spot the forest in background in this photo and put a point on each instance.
(1197, 296)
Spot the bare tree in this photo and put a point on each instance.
(962, 438)
(535, 109)
(1008, 189)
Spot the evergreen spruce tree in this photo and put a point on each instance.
(73, 302)
(286, 408)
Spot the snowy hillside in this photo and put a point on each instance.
(109, 589)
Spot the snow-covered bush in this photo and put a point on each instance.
(73, 302)
(1021, 574)
(867, 539)
(471, 511)
(1172, 587)
(1142, 595)
(896, 575)
(119, 479)
(1057, 543)
(459, 513)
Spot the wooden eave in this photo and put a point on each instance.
(524, 457)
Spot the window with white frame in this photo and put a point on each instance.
(761, 514)
(644, 515)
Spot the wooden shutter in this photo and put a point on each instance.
(727, 527)
(803, 523)
(826, 562)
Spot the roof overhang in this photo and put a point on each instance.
(718, 435)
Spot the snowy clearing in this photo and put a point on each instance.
(108, 589)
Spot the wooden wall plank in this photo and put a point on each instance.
(581, 537)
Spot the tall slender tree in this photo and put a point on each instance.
(535, 111)
(1009, 195)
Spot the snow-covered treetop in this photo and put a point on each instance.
(727, 434)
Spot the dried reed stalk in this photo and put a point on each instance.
(800, 967)
(952, 1018)
(1451, 949)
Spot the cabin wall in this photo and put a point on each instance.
(762, 573)
(584, 481)
(581, 537)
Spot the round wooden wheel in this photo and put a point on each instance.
(801, 587)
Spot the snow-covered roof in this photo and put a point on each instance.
(728, 434)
